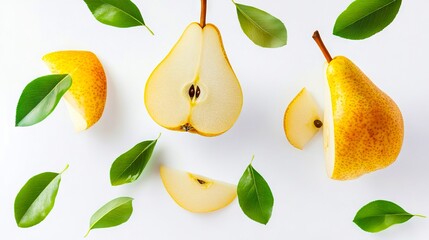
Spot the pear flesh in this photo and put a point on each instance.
(194, 88)
(363, 127)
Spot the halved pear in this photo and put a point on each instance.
(87, 95)
(196, 193)
(194, 88)
(302, 119)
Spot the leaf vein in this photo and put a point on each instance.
(369, 14)
(41, 193)
(44, 98)
(257, 25)
(256, 189)
(135, 159)
(123, 11)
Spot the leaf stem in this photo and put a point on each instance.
(159, 135)
(86, 234)
(67, 167)
(203, 13)
(150, 30)
(253, 157)
(318, 39)
(418, 215)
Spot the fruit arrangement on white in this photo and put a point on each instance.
(235, 98)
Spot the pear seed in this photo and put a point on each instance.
(318, 123)
(201, 181)
(198, 92)
(192, 91)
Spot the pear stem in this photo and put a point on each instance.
(203, 13)
(318, 39)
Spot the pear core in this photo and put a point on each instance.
(194, 88)
(363, 126)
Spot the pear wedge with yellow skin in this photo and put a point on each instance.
(197, 193)
(194, 88)
(87, 95)
(302, 119)
(363, 126)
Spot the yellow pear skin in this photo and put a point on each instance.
(367, 129)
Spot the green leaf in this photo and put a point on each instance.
(379, 215)
(254, 196)
(112, 214)
(117, 13)
(40, 97)
(364, 18)
(129, 166)
(261, 27)
(36, 198)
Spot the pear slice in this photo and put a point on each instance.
(87, 95)
(363, 127)
(194, 88)
(196, 193)
(302, 119)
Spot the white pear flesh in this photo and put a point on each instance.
(197, 193)
(328, 133)
(198, 59)
(299, 119)
(76, 114)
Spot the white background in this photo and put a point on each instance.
(308, 205)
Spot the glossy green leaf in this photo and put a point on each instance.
(117, 13)
(255, 196)
(129, 166)
(364, 18)
(379, 215)
(112, 214)
(36, 198)
(40, 97)
(261, 27)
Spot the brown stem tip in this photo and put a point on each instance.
(318, 39)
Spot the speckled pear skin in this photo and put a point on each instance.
(368, 125)
(89, 86)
